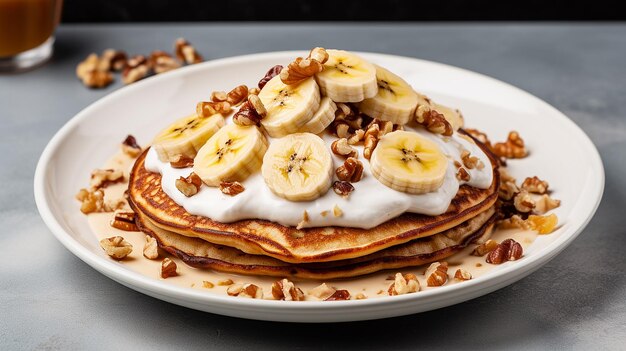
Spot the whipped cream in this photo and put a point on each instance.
(370, 204)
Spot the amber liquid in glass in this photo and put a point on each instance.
(26, 24)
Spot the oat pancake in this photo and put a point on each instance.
(288, 244)
(202, 254)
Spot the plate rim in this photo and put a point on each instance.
(316, 309)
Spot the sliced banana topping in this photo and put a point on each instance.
(186, 136)
(298, 167)
(232, 154)
(324, 116)
(289, 107)
(408, 162)
(347, 77)
(395, 101)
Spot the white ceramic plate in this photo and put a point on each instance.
(560, 152)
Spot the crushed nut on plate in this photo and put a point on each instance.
(437, 274)
(303, 68)
(151, 248)
(523, 202)
(513, 147)
(508, 250)
(433, 121)
(168, 268)
(237, 95)
(209, 108)
(462, 274)
(102, 178)
(250, 291)
(186, 52)
(485, 248)
(225, 282)
(403, 284)
(124, 220)
(116, 247)
(286, 290)
(341, 147)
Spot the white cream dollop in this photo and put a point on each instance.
(370, 204)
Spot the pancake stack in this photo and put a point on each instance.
(258, 246)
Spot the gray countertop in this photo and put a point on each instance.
(50, 300)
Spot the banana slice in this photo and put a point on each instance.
(324, 116)
(289, 107)
(407, 162)
(186, 136)
(395, 101)
(232, 154)
(298, 167)
(347, 77)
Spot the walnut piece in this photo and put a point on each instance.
(219, 96)
(371, 137)
(303, 68)
(189, 186)
(231, 188)
(545, 203)
(508, 186)
(339, 295)
(341, 147)
(225, 282)
(342, 188)
(513, 147)
(247, 115)
(91, 73)
(523, 202)
(485, 248)
(322, 291)
(351, 170)
(271, 73)
(136, 69)
(186, 52)
(209, 108)
(168, 268)
(535, 185)
(250, 291)
(437, 274)
(207, 284)
(462, 274)
(463, 175)
(124, 220)
(102, 178)
(112, 60)
(433, 121)
(162, 62)
(355, 138)
(480, 136)
(508, 250)
(471, 162)
(337, 212)
(360, 296)
(93, 201)
(286, 290)
(130, 146)
(151, 248)
(182, 162)
(404, 284)
(237, 95)
(116, 247)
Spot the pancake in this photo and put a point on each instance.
(202, 254)
(288, 244)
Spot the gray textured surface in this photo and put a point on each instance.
(49, 299)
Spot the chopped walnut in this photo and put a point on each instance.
(286, 290)
(130, 146)
(339, 295)
(433, 121)
(124, 220)
(341, 147)
(237, 95)
(136, 69)
(371, 137)
(437, 274)
(508, 250)
(219, 96)
(303, 68)
(342, 188)
(102, 178)
(471, 162)
(225, 282)
(535, 185)
(508, 187)
(185, 52)
(93, 201)
(360, 296)
(231, 188)
(342, 129)
(247, 115)
(90, 73)
(209, 108)
(189, 186)
(515, 221)
(250, 291)
(254, 91)
(182, 162)
(168, 268)
(462, 274)
(112, 60)
(403, 284)
(257, 106)
(485, 248)
(151, 248)
(322, 291)
(116, 247)
(545, 203)
(355, 138)
(351, 170)
(480, 136)
(162, 62)
(463, 175)
(207, 284)
(337, 212)
(343, 111)
(271, 73)
(512, 148)
(523, 202)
